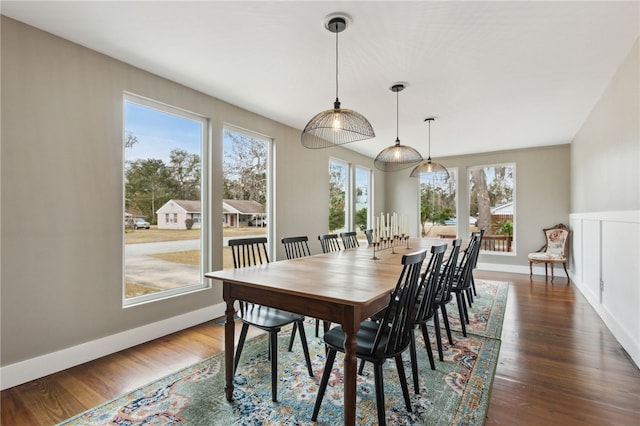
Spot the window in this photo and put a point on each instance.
(492, 205)
(438, 206)
(338, 196)
(163, 148)
(363, 198)
(246, 170)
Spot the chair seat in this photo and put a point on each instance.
(365, 338)
(546, 257)
(269, 318)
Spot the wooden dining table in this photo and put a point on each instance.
(343, 287)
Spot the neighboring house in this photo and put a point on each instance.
(501, 213)
(174, 213)
(238, 213)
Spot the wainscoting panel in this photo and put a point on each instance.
(607, 271)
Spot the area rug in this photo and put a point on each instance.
(456, 393)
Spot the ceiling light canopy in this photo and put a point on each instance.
(429, 167)
(336, 126)
(397, 156)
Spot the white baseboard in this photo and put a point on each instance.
(521, 269)
(31, 369)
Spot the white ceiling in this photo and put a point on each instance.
(497, 75)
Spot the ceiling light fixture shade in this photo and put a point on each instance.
(336, 126)
(429, 167)
(397, 156)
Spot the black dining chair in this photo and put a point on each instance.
(349, 239)
(251, 252)
(461, 285)
(295, 247)
(329, 242)
(369, 234)
(443, 297)
(392, 336)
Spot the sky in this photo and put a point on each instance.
(158, 133)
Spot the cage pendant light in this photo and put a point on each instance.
(397, 156)
(429, 167)
(336, 126)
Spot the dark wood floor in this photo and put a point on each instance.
(558, 365)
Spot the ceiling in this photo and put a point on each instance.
(497, 75)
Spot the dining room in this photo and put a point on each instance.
(63, 189)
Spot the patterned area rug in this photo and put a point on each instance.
(457, 392)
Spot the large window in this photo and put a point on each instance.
(338, 195)
(163, 200)
(438, 206)
(363, 198)
(245, 209)
(492, 205)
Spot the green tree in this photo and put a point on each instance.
(148, 186)
(185, 175)
(337, 196)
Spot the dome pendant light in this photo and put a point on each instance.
(428, 167)
(336, 126)
(397, 157)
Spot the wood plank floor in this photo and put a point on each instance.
(558, 364)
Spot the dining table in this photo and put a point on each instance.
(343, 287)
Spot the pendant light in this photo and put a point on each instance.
(397, 157)
(336, 126)
(439, 171)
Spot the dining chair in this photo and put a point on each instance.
(444, 296)
(329, 242)
(391, 338)
(461, 285)
(251, 252)
(553, 251)
(295, 247)
(349, 239)
(369, 234)
(429, 286)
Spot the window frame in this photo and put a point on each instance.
(205, 225)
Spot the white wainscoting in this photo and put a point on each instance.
(606, 269)
(31, 369)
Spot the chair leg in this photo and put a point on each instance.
(403, 382)
(273, 347)
(293, 336)
(553, 266)
(305, 347)
(473, 284)
(445, 319)
(427, 342)
(461, 313)
(243, 337)
(379, 385)
(317, 328)
(361, 368)
(414, 362)
(530, 269)
(564, 265)
(436, 326)
(328, 366)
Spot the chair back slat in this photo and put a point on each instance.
(448, 272)
(369, 234)
(248, 252)
(429, 284)
(295, 247)
(349, 239)
(397, 323)
(329, 242)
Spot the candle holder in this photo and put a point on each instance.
(406, 237)
(375, 245)
(393, 244)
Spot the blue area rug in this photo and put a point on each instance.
(456, 393)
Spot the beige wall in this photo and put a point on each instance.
(61, 158)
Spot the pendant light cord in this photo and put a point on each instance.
(337, 63)
(397, 116)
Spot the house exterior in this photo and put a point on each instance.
(174, 213)
(237, 213)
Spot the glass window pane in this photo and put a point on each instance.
(338, 180)
(438, 207)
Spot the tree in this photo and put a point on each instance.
(483, 202)
(148, 185)
(245, 166)
(337, 196)
(130, 139)
(185, 175)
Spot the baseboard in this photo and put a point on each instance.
(31, 369)
(520, 269)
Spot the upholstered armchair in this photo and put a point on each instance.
(554, 251)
